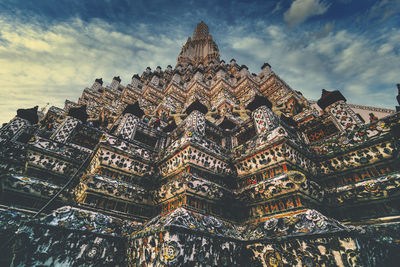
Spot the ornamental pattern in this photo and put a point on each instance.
(203, 164)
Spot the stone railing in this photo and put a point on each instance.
(381, 187)
(117, 189)
(58, 148)
(33, 186)
(126, 146)
(358, 137)
(281, 185)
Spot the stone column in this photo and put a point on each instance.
(65, 130)
(264, 120)
(135, 81)
(176, 77)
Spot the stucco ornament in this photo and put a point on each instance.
(296, 177)
(273, 259)
(170, 251)
(271, 224)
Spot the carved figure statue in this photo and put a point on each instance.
(100, 120)
(112, 118)
(242, 112)
(303, 102)
(277, 109)
(372, 117)
(224, 110)
(178, 116)
(150, 117)
(210, 115)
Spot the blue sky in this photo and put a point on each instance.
(51, 50)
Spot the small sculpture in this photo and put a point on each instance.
(303, 102)
(149, 117)
(210, 115)
(178, 116)
(100, 120)
(277, 109)
(223, 110)
(164, 116)
(112, 119)
(372, 117)
(242, 112)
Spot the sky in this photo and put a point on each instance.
(51, 50)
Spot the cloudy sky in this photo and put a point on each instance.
(51, 50)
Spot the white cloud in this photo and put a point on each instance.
(247, 42)
(384, 49)
(384, 9)
(362, 67)
(301, 10)
(72, 54)
(40, 64)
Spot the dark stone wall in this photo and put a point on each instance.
(177, 248)
(37, 244)
(45, 243)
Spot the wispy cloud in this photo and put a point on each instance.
(384, 9)
(362, 67)
(50, 51)
(328, 28)
(277, 7)
(42, 64)
(301, 10)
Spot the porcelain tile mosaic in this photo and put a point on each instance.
(201, 164)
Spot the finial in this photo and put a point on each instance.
(99, 80)
(201, 31)
(266, 64)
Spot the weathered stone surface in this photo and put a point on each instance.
(204, 164)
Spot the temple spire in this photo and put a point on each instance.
(201, 31)
(200, 48)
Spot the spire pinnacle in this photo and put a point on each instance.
(201, 31)
(199, 49)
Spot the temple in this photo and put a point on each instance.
(203, 164)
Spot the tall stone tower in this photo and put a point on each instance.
(199, 49)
